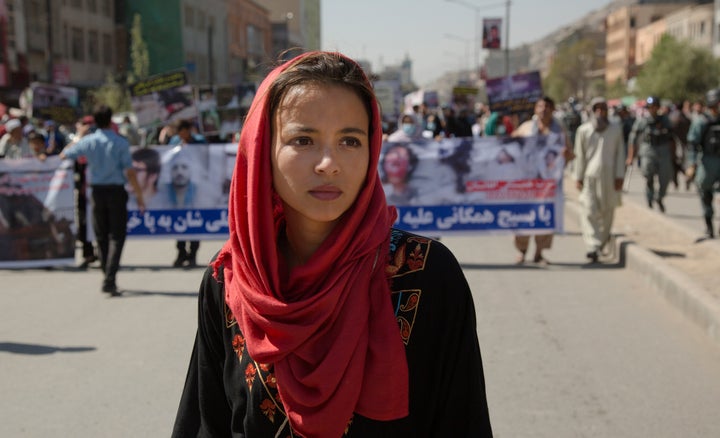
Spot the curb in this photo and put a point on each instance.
(675, 286)
(678, 289)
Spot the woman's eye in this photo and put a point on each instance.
(302, 141)
(351, 141)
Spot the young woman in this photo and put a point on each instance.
(317, 319)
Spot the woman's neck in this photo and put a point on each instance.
(300, 241)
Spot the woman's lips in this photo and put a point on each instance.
(326, 193)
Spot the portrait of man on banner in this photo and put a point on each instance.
(491, 33)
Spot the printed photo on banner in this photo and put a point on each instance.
(37, 222)
(492, 29)
(497, 183)
(184, 189)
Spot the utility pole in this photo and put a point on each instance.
(49, 53)
(211, 69)
(507, 38)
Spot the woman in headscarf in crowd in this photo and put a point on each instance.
(317, 319)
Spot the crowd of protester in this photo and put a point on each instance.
(23, 137)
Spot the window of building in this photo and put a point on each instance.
(201, 20)
(702, 28)
(632, 22)
(66, 41)
(189, 16)
(106, 8)
(107, 48)
(76, 3)
(255, 43)
(92, 6)
(34, 9)
(77, 44)
(93, 46)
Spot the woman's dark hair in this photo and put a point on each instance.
(324, 68)
(412, 160)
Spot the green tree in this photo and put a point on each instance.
(677, 70)
(139, 55)
(112, 93)
(571, 71)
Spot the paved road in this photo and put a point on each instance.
(569, 350)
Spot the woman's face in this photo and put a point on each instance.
(396, 165)
(320, 152)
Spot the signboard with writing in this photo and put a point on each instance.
(514, 94)
(162, 99)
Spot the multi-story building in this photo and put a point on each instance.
(301, 19)
(622, 25)
(250, 41)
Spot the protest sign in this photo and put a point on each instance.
(37, 226)
(463, 184)
(162, 99)
(514, 94)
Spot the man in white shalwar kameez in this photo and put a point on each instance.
(599, 171)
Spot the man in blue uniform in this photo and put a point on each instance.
(703, 155)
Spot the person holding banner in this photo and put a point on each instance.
(182, 191)
(543, 123)
(13, 143)
(110, 167)
(298, 314)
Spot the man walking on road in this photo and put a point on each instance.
(110, 166)
(651, 137)
(703, 155)
(599, 170)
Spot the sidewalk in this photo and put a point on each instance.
(668, 249)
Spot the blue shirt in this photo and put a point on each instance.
(108, 156)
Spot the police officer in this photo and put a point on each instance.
(651, 137)
(703, 155)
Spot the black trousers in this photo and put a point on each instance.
(191, 250)
(109, 212)
(81, 203)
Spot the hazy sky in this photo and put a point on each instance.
(436, 34)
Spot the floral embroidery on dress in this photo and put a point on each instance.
(238, 345)
(268, 408)
(408, 253)
(229, 317)
(250, 373)
(405, 303)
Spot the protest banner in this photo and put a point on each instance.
(52, 102)
(162, 99)
(37, 225)
(185, 189)
(514, 94)
(491, 184)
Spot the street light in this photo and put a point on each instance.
(478, 34)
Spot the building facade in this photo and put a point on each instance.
(622, 25)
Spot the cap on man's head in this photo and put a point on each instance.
(12, 124)
(653, 100)
(712, 97)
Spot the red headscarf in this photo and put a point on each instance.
(328, 328)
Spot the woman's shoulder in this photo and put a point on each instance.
(413, 253)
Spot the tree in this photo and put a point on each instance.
(677, 70)
(569, 74)
(139, 55)
(113, 94)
